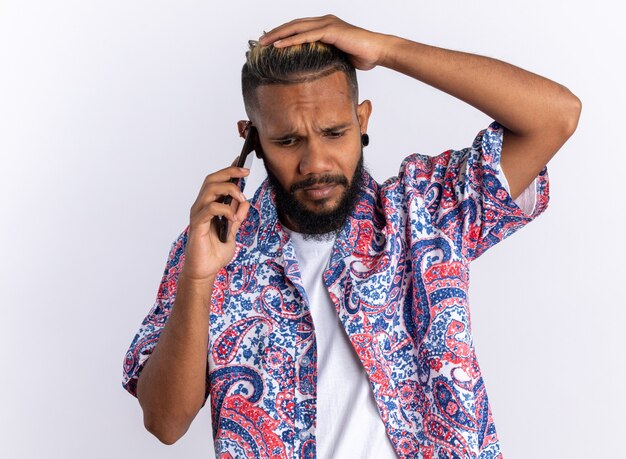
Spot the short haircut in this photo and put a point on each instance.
(267, 65)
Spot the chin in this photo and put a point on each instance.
(329, 202)
(322, 206)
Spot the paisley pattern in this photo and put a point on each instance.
(398, 277)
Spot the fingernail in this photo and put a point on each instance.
(242, 196)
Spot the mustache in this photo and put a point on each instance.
(323, 180)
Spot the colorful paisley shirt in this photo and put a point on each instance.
(398, 277)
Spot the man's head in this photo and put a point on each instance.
(304, 102)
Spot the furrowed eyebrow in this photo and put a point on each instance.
(288, 135)
(326, 130)
(281, 134)
(338, 127)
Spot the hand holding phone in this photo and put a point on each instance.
(244, 160)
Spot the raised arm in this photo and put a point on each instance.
(172, 385)
(538, 115)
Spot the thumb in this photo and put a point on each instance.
(241, 214)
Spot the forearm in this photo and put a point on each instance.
(171, 386)
(520, 100)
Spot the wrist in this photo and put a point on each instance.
(393, 49)
(195, 283)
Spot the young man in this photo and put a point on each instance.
(336, 313)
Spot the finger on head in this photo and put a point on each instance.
(287, 27)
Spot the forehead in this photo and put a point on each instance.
(323, 100)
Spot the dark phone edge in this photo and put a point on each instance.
(250, 143)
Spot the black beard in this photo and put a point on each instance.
(317, 225)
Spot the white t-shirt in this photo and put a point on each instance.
(348, 421)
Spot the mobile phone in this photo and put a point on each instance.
(244, 160)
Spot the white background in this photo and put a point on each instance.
(113, 112)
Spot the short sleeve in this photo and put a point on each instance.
(145, 340)
(466, 199)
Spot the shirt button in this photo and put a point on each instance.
(303, 435)
(305, 361)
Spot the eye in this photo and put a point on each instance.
(286, 142)
(334, 134)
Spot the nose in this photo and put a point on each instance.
(315, 159)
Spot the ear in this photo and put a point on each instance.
(363, 112)
(242, 126)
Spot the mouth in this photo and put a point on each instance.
(319, 191)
